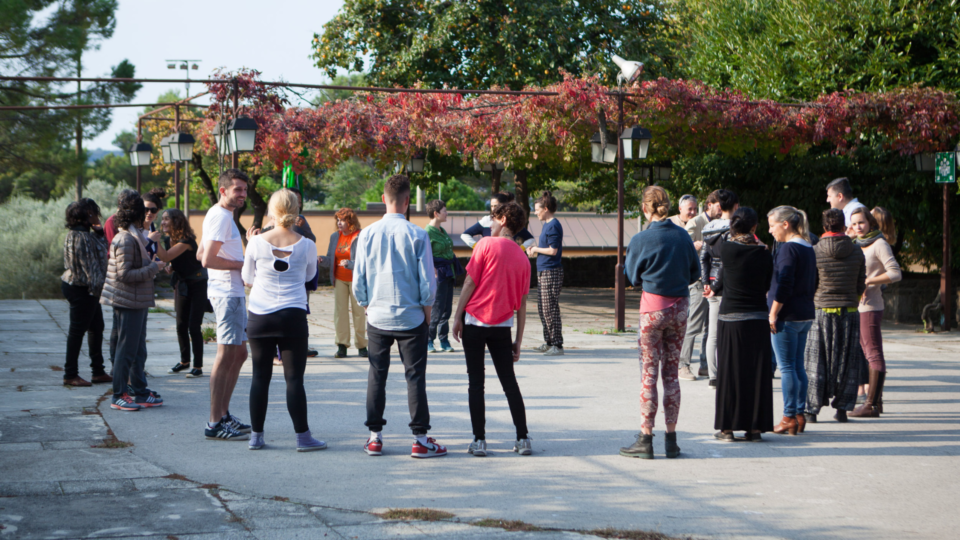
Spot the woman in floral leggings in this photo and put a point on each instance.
(664, 262)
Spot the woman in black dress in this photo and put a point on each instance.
(744, 371)
(189, 283)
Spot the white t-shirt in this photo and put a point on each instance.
(218, 226)
(275, 289)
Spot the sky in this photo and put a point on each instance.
(272, 37)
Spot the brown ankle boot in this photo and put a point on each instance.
(787, 425)
(868, 410)
(801, 422)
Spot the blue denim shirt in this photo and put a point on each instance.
(393, 274)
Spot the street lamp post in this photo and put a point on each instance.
(928, 163)
(140, 153)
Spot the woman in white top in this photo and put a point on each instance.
(882, 268)
(276, 266)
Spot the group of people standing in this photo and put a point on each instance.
(819, 298)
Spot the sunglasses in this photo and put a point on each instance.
(151, 209)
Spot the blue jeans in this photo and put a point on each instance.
(788, 345)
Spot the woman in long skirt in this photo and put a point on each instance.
(744, 370)
(833, 354)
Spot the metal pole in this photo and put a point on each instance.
(186, 190)
(139, 139)
(946, 288)
(620, 281)
(176, 164)
(235, 158)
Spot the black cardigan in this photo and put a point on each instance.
(747, 270)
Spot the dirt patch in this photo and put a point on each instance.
(632, 535)
(507, 525)
(415, 514)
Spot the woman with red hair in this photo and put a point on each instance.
(341, 252)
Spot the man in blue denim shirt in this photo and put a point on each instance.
(393, 278)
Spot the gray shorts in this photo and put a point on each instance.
(231, 314)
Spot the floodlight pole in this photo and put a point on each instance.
(139, 139)
(947, 293)
(620, 282)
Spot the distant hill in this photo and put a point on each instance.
(100, 152)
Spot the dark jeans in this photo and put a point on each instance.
(500, 343)
(114, 331)
(293, 353)
(442, 306)
(413, 353)
(131, 351)
(85, 318)
(189, 310)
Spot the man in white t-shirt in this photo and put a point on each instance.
(222, 256)
(840, 196)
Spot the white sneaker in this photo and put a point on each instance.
(554, 351)
(523, 447)
(478, 448)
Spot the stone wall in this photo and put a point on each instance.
(904, 301)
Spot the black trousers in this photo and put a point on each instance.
(500, 343)
(293, 353)
(189, 309)
(413, 353)
(131, 352)
(85, 318)
(442, 307)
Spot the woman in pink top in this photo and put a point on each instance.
(496, 287)
(882, 268)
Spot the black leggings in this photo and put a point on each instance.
(189, 310)
(85, 318)
(500, 343)
(293, 352)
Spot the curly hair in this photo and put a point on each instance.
(130, 210)
(834, 221)
(180, 228)
(80, 213)
(515, 216)
(348, 215)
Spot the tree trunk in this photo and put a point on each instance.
(236, 219)
(212, 192)
(259, 205)
(522, 189)
(495, 174)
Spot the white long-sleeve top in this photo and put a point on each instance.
(272, 289)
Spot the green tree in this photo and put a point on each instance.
(799, 49)
(50, 38)
(484, 43)
(350, 79)
(346, 185)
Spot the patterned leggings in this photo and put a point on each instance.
(549, 283)
(661, 339)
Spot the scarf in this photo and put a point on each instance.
(869, 238)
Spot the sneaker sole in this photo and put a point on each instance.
(311, 448)
(525, 452)
(150, 405)
(426, 456)
(128, 409)
(477, 453)
(373, 452)
(255, 447)
(244, 437)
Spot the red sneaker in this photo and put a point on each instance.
(432, 449)
(374, 447)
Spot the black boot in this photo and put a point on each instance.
(670, 445)
(810, 418)
(643, 448)
(841, 416)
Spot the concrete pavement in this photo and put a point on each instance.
(891, 477)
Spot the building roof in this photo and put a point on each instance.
(581, 230)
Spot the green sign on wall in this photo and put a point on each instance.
(946, 171)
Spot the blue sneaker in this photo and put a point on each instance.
(235, 423)
(223, 432)
(125, 403)
(445, 346)
(430, 347)
(149, 400)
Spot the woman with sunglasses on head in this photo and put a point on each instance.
(189, 282)
(276, 266)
